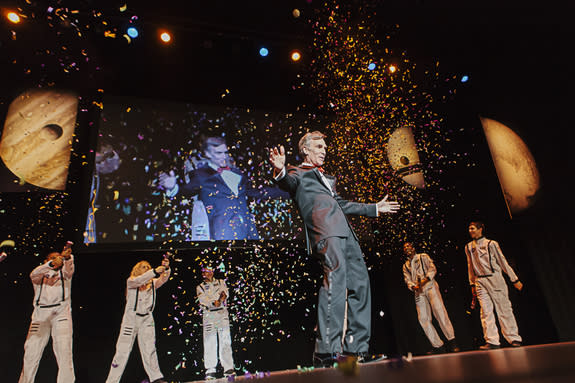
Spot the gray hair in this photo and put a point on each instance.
(307, 138)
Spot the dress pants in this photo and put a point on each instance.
(345, 280)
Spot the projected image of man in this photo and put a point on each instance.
(223, 189)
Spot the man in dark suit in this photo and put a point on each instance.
(224, 190)
(331, 238)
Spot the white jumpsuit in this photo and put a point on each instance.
(216, 324)
(52, 316)
(138, 321)
(485, 261)
(428, 299)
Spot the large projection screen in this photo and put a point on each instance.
(158, 174)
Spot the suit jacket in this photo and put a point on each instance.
(228, 214)
(323, 214)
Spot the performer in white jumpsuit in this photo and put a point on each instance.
(212, 296)
(138, 321)
(52, 315)
(485, 261)
(419, 273)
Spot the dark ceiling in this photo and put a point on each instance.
(216, 44)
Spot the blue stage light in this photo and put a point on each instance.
(464, 78)
(371, 66)
(132, 32)
(264, 52)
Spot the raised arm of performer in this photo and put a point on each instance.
(278, 160)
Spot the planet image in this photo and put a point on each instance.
(515, 166)
(37, 137)
(403, 157)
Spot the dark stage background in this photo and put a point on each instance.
(516, 58)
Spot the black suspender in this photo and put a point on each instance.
(136, 301)
(489, 254)
(153, 297)
(469, 250)
(40, 292)
(422, 266)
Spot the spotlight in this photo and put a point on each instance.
(296, 13)
(392, 68)
(464, 78)
(165, 36)
(13, 17)
(264, 51)
(371, 66)
(132, 32)
(295, 55)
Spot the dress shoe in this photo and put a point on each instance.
(230, 372)
(364, 357)
(437, 350)
(326, 360)
(489, 346)
(452, 345)
(211, 376)
(516, 343)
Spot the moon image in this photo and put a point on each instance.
(403, 157)
(37, 137)
(514, 164)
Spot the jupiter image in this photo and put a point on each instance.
(37, 137)
(514, 164)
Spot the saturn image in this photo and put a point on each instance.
(403, 157)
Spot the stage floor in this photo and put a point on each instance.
(549, 363)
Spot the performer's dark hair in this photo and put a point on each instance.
(212, 141)
(478, 224)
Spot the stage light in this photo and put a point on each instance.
(464, 78)
(295, 55)
(132, 32)
(165, 36)
(392, 68)
(296, 13)
(264, 51)
(13, 17)
(371, 66)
